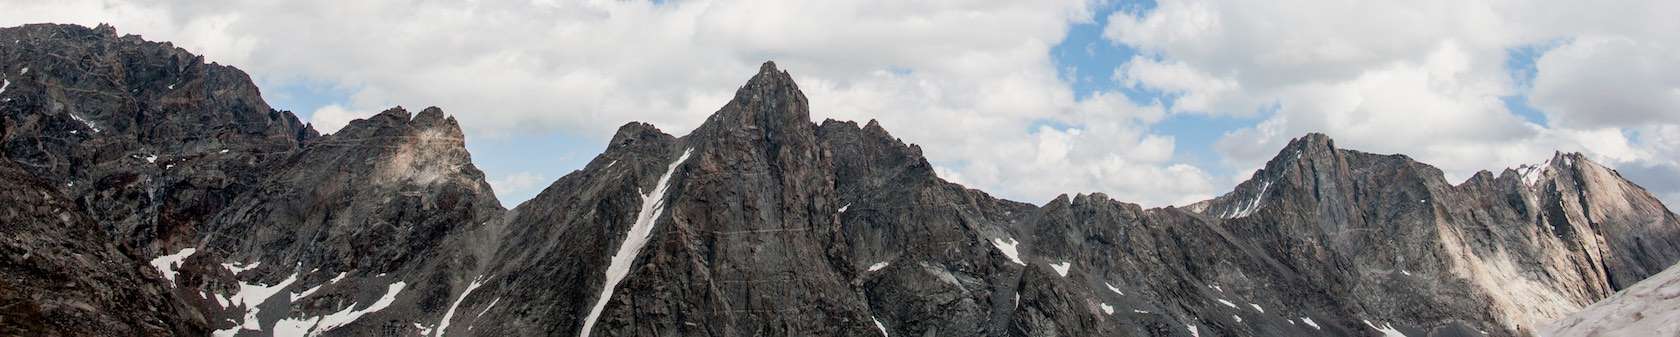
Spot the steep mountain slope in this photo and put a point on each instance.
(361, 217)
(151, 140)
(758, 222)
(62, 276)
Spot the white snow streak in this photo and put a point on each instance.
(166, 264)
(3, 85)
(1062, 269)
(878, 326)
(487, 307)
(443, 325)
(1310, 323)
(843, 208)
(1252, 205)
(1193, 332)
(1008, 249)
(1113, 289)
(348, 315)
(84, 122)
(1257, 308)
(1386, 329)
(1109, 309)
(653, 204)
(1226, 303)
(236, 268)
(878, 266)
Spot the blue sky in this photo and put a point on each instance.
(1159, 103)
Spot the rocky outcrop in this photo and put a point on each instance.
(150, 139)
(62, 276)
(378, 213)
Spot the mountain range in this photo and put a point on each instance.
(149, 193)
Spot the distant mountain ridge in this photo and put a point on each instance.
(234, 219)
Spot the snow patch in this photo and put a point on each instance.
(306, 293)
(1386, 329)
(315, 326)
(1532, 173)
(843, 208)
(1236, 317)
(1257, 308)
(878, 326)
(1109, 309)
(1008, 249)
(1113, 289)
(166, 264)
(85, 122)
(1139, 311)
(878, 266)
(443, 325)
(1193, 332)
(3, 85)
(348, 315)
(251, 296)
(653, 204)
(1226, 303)
(1062, 269)
(1253, 204)
(1310, 323)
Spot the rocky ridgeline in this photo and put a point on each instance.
(149, 193)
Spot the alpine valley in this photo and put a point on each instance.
(145, 192)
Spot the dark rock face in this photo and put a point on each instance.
(759, 222)
(151, 140)
(380, 208)
(62, 276)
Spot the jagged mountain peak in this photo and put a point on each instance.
(770, 103)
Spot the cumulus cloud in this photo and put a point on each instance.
(1598, 81)
(980, 69)
(328, 119)
(1426, 78)
(518, 186)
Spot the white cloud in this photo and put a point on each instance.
(330, 118)
(517, 187)
(1192, 89)
(1596, 81)
(1424, 78)
(980, 70)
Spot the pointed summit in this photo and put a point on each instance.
(769, 104)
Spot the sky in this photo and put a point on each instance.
(1158, 103)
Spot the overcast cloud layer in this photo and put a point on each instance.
(975, 83)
